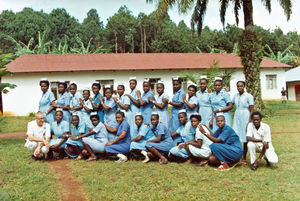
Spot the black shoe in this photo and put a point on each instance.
(268, 163)
(254, 168)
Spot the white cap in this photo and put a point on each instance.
(132, 78)
(120, 84)
(93, 113)
(154, 113)
(175, 78)
(218, 78)
(61, 81)
(73, 82)
(59, 109)
(182, 111)
(220, 114)
(44, 79)
(160, 82)
(107, 86)
(86, 88)
(146, 80)
(203, 77)
(124, 111)
(138, 114)
(192, 84)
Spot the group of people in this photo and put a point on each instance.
(85, 126)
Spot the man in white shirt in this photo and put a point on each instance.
(259, 140)
(38, 132)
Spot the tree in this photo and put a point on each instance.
(250, 49)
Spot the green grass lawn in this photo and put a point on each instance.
(14, 124)
(21, 178)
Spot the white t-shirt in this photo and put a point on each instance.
(263, 133)
(205, 141)
(38, 131)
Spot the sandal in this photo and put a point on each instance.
(243, 162)
(162, 161)
(202, 163)
(80, 157)
(91, 158)
(223, 167)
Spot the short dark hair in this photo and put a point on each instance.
(64, 84)
(121, 85)
(108, 88)
(75, 115)
(256, 113)
(120, 112)
(244, 83)
(179, 80)
(193, 86)
(139, 116)
(94, 116)
(204, 80)
(44, 82)
(97, 85)
(197, 116)
(218, 80)
(155, 115)
(133, 80)
(73, 84)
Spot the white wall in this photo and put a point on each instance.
(291, 92)
(24, 99)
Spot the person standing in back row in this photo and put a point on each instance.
(283, 95)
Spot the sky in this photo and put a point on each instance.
(107, 8)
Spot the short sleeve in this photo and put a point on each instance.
(160, 129)
(227, 97)
(249, 130)
(144, 130)
(250, 100)
(81, 128)
(51, 97)
(233, 99)
(110, 103)
(126, 100)
(89, 105)
(67, 99)
(145, 98)
(48, 133)
(224, 134)
(193, 100)
(29, 129)
(180, 96)
(179, 130)
(124, 127)
(66, 127)
(267, 133)
(166, 96)
(199, 135)
(98, 128)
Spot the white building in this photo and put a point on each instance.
(293, 84)
(114, 68)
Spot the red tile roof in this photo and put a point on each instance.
(134, 61)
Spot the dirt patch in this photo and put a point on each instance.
(71, 188)
(16, 135)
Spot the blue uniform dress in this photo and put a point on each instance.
(242, 114)
(76, 103)
(122, 146)
(147, 134)
(218, 101)
(176, 99)
(110, 117)
(132, 111)
(187, 133)
(125, 101)
(98, 140)
(205, 109)
(147, 109)
(230, 150)
(63, 100)
(191, 100)
(100, 110)
(164, 116)
(166, 143)
(45, 104)
(58, 130)
(76, 130)
(85, 116)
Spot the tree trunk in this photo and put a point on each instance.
(145, 41)
(142, 41)
(116, 43)
(251, 53)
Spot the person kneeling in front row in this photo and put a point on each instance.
(259, 140)
(38, 132)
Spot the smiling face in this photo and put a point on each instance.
(58, 116)
(240, 87)
(160, 89)
(120, 90)
(154, 120)
(75, 120)
(176, 85)
(182, 118)
(86, 94)
(191, 91)
(44, 87)
(132, 84)
(95, 89)
(218, 86)
(72, 89)
(40, 119)
(146, 87)
(119, 118)
(61, 88)
(108, 93)
(203, 85)
(220, 121)
(138, 120)
(195, 122)
(256, 120)
(95, 120)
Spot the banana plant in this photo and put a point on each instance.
(4, 59)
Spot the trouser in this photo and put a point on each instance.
(31, 146)
(256, 147)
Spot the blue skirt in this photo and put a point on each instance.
(164, 146)
(56, 141)
(183, 153)
(120, 148)
(227, 153)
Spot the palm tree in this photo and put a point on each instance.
(250, 49)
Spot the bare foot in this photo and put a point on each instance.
(202, 163)
(188, 161)
(91, 158)
(162, 161)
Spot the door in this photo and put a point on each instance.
(297, 91)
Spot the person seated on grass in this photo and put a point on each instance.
(259, 140)
(38, 132)
(187, 132)
(93, 141)
(60, 133)
(121, 144)
(200, 147)
(161, 145)
(74, 145)
(182, 118)
(226, 147)
(141, 135)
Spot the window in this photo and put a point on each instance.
(153, 82)
(103, 83)
(54, 88)
(271, 81)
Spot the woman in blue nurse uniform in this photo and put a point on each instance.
(46, 101)
(75, 106)
(141, 135)
(221, 103)
(60, 130)
(162, 105)
(97, 107)
(177, 103)
(205, 109)
(146, 105)
(190, 101)
(63, 101)
(122, 101)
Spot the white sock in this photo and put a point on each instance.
(144, 153)
(121, 156)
